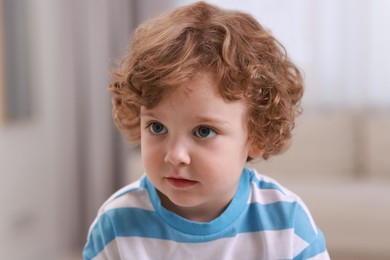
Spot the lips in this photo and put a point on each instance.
(181, 183)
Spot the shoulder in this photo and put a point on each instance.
(282, 209)
(276, 201)
(130, 202)
(120, 215)
(134, 195)
(266, 190)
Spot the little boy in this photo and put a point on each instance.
(205, 90)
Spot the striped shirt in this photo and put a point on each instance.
(263, 221)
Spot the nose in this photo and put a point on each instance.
(177, 153)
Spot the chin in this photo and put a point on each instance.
(183, 201)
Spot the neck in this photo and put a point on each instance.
(200, 213)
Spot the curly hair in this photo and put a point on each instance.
(246, 60)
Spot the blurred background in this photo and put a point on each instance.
(61, 157)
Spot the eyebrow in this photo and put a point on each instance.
(147, 113)
(211, 119)
(200, 118)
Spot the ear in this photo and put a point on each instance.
(255, 151)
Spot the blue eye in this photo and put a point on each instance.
(157, 128)
(204, 132)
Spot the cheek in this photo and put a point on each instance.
(222, 157)
(150, 154)
(232, 152)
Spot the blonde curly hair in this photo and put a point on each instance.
(246, 60)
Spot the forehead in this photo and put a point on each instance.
(202, 84)
(198, 98)
(203, 87)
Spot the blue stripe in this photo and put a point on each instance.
(302, 220)
(101, 234)
(302, 225)
(278, 216)
(134, 222)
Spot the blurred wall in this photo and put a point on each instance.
(56, 164)
(342, 46)
(30, 163)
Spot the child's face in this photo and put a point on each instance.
(194, 146)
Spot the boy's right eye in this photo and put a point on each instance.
(157, 128)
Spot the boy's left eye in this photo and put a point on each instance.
(204, 132)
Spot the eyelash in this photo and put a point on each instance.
(205, 127)
(151, 124)
(195, 132)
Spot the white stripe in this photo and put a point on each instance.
(267, 196)
(255, 245)
(131, 187)
(321, 256)
(299, 245)
(110, 252)
(134, 199)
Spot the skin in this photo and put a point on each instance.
(194, 147)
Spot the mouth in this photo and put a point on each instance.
(181, 183)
